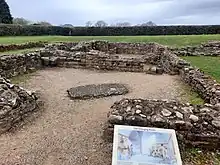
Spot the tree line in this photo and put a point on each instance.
(6, 18)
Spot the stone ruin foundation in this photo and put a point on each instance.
(16, 104)
(195, 125)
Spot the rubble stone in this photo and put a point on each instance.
(197, 127)
(211, 48)
(15, 104)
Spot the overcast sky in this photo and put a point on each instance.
(77, 12)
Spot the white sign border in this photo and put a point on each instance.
(115, 140)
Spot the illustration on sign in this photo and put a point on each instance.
(145, 146)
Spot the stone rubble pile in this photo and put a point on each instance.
(206, 49)
(197, 126)
(15, 104)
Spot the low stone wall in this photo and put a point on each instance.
(13, 65)
(150, 57)
(4, 48)
(197, 126)
(91, 60)
(208, 88)
(87, 55)
(15, 104)
(206, 49)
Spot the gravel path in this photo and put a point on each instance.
(69, 132)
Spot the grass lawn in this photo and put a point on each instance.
(171, 40)
(210, 65)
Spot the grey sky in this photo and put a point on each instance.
(77, 12)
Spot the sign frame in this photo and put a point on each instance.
(166, 152)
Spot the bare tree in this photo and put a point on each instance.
(150, 23)
(101, 24)
(21, 21)
(123, 24)
(43, 23)
(67, 25)
(88, 24)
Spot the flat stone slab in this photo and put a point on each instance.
(97, 91)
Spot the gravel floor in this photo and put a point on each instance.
(69, 132)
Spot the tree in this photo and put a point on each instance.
(101, 24)
(67, 25)
(5, 15)
(150, 23)
(88, 24)
(123, 24)
(43, 23)
(21, 21)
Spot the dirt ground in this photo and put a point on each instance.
(69, 132)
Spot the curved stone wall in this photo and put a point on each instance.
(197, 126)
(15, 104)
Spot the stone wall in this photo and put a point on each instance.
(197, 126)
(136, 57)
(208, 88)
(186, 119)
(4, 48)
(91, 60)
(15, 104)
(98, 55)
(206, 49)
(13, 65)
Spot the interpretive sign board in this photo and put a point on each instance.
(145, 146)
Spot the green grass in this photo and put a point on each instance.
(171, 40)
(188, 95)
(200, 157)
(210, 65)
(22, 51)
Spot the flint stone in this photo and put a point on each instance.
(144, 116)
(153, 69)
(216, 123)
(115, 119)
(166, 112)
(205, 110)
(194, 118)
(217, 92)
(187, 109)
(139, 107)
(46, 60)
(128, 109)
(179, 115)
(217, 106)
(138, 111)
